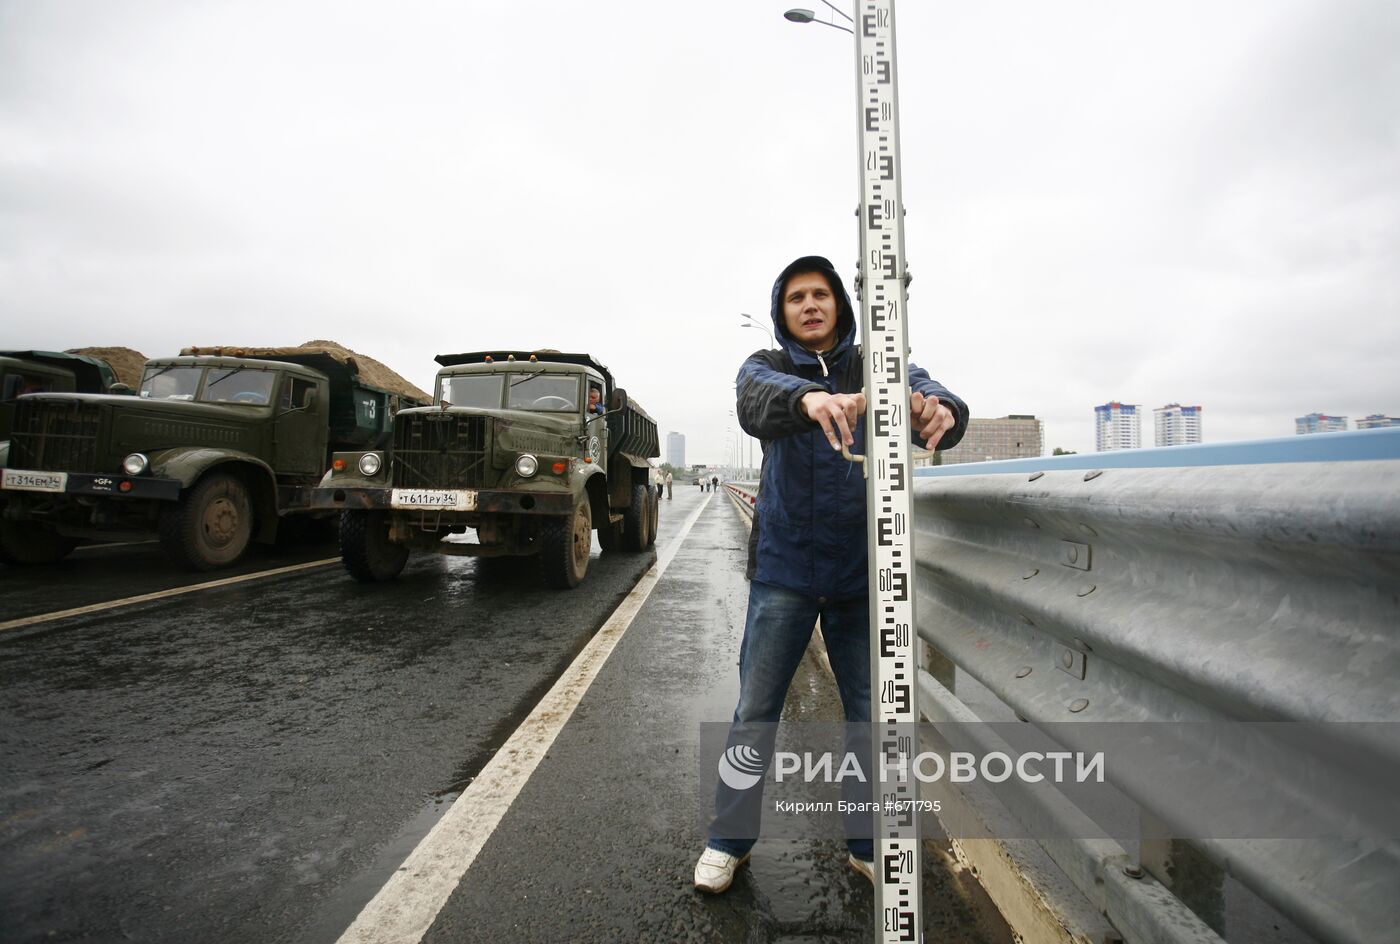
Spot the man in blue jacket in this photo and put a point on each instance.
(808, 549)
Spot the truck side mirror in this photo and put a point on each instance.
(618, 401)
(308, 401)
(120, 389)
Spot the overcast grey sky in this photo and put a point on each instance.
(1153, 202)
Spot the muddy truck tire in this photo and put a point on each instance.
(22, 542)
(365, 548)
(211, 525)
(565, 543)
(636, 520)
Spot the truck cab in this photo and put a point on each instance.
(211, 453)
(516, 449)
(24, 372)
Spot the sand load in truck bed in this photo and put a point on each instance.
(125, 362)
(369, 370)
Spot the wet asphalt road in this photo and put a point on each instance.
(601, 843)
(251, 763)
(246, 763)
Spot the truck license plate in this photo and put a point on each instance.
(446, 499)
(25, 481)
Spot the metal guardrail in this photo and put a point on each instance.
(745, 495)
(1255, 582)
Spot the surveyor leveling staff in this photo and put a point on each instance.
(888, 470)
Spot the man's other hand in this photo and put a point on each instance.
(836, 413)
(931, 418)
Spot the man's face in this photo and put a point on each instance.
(593, 396)
(809, 311)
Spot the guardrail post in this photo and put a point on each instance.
(1181, 867)
(939, 666)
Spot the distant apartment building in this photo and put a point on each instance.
(1018, 436)
(675, 450)
(1117, 426)
(1377, 421)
(1320, 423)
(1177, 425)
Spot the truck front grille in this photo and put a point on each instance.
(439, 450)
(55, 436)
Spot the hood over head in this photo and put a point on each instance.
(845, 315)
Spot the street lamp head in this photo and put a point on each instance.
(798, 15)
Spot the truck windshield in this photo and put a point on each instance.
(170, 383)
(550, 393)
(239, 385)
(478, 390)
(18, 384)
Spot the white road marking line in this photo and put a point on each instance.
(97, 547)
(408, 904)
(160, 595)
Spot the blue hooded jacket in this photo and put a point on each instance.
(809, 531)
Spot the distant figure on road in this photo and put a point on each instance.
(714, 483)
(669, 496)
(803, 400)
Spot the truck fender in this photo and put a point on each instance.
(187, 464)
(595, 486)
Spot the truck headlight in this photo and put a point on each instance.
(370, 463)
(135, 464)
(527, 465)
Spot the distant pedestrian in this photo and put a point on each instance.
(669, 496)
(714, 483)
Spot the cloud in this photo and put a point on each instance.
(1193, 203)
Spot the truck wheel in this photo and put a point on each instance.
(610, 536)
(654, 516)
(636, 520)
(564, 547)
(24, 542)
(365, 548)
(211, 525)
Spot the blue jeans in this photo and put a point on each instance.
(776, 632)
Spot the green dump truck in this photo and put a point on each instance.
(214, 450)
(514, 451)
(24, 372)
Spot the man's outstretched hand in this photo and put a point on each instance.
(931, 418)
(836, 413)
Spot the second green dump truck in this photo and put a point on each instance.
(217, 447)
(23, 372)
(512, 451)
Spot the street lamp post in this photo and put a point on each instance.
(755, 323)
(749, 466)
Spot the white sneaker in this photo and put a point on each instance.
(714, 872)
(863, 867)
